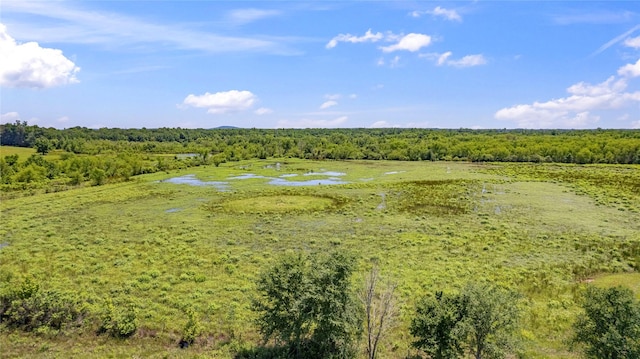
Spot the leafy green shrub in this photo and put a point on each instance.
(306, 303)
(120, 321)
(192, 328)
(29, 308)
(610, 324)
(481, 319)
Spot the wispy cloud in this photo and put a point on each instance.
(616, 39)
(465, 61)
(245, 16)
(263, 111)
(451, 15)
(411, 42)
(69, 24)
(367, 37)
(327, 104)
(633, 42)
(596, 18)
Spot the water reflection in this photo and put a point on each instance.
(193, 181)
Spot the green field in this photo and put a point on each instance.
(545, 230)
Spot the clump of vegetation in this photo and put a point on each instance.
(481, 321)
(119, 320)
(306, 305)
(191, 329)
(28, 307)
(609, 327)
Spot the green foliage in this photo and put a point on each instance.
(481, 319)
(159, 244)
(305, 303)
(437, 325)
(609, 328)
(27, 307)
(97, 176)
(490, 320)
(192, 328)
(119, 320)
(43, 145)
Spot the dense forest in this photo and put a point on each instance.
(113, 154)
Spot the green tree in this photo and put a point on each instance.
(306, 305)
(43, 145)
(437, 326)
(609, 328)
(481, 319)
(491, 317)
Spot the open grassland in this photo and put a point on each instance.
(167, 245)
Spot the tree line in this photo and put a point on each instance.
(562, 146)
(307, 306)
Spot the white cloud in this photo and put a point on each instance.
(468, 61)
(447, 14)
(353, 96)
(328, 104)
(310, 123)
(633, 42)
(222, 102)
(575, 110)
(63, 119)
(411, 42)
(616, 39)
(635, 124)
(29, 65)
(244, 16)
(442, 59)
(630, 70)
(380, 124)
(445, 59)
(9, 117)
(451, 15)
(367, 37)
(335, 96)
(263, 111)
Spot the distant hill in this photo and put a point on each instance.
(225, 127)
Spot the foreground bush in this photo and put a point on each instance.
(481, 320)
(306, 305)
(27, 307)
(610, 325)
(119, 321)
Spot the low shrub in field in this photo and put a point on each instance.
(26, 306)
(119, 321)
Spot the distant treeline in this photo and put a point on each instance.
(563, 146)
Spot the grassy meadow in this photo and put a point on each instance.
(545, 230)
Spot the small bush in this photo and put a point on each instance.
(192, 328)
(121, 322)
(29, 308)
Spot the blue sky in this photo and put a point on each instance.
(293, 64)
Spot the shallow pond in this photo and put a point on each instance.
(193, 181)
(281, 180)
(284, 182)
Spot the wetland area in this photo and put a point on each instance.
(200, 237)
